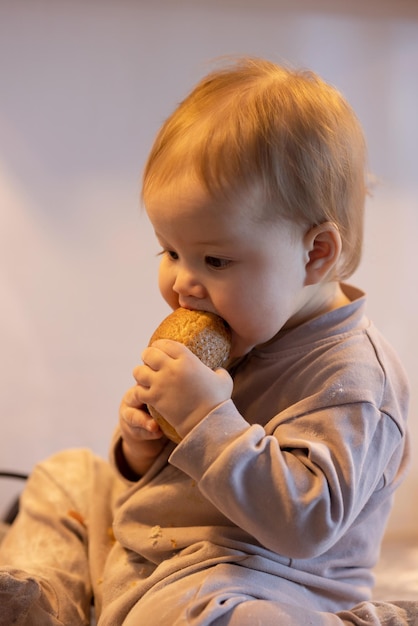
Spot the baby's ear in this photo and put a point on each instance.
(323, 250)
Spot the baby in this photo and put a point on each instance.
(272, 507)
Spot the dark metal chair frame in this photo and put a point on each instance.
(13, 509)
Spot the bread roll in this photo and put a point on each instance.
(205, 334)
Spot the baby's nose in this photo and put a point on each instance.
(187, 284)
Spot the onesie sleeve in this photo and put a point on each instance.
(117, 459)
(326, 450)
(297, 484)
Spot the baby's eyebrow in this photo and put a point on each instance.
(219, 241)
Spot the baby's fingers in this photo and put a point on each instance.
(133, 398)
(161, 350)
(137, 422)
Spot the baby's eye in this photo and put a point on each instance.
(216, 262)
(170, 253)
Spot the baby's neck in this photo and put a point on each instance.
(328, 297)
(319, 299)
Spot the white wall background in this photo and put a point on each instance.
(84, 86)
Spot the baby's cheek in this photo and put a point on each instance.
(166, 289)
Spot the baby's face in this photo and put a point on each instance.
(217, 257)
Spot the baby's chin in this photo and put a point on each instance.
(239, 348)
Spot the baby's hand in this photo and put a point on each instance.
(142, 438)
(179, 386)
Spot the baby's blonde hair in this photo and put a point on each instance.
(254, 125)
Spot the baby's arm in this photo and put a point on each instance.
(141, 438)
(298, 489)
